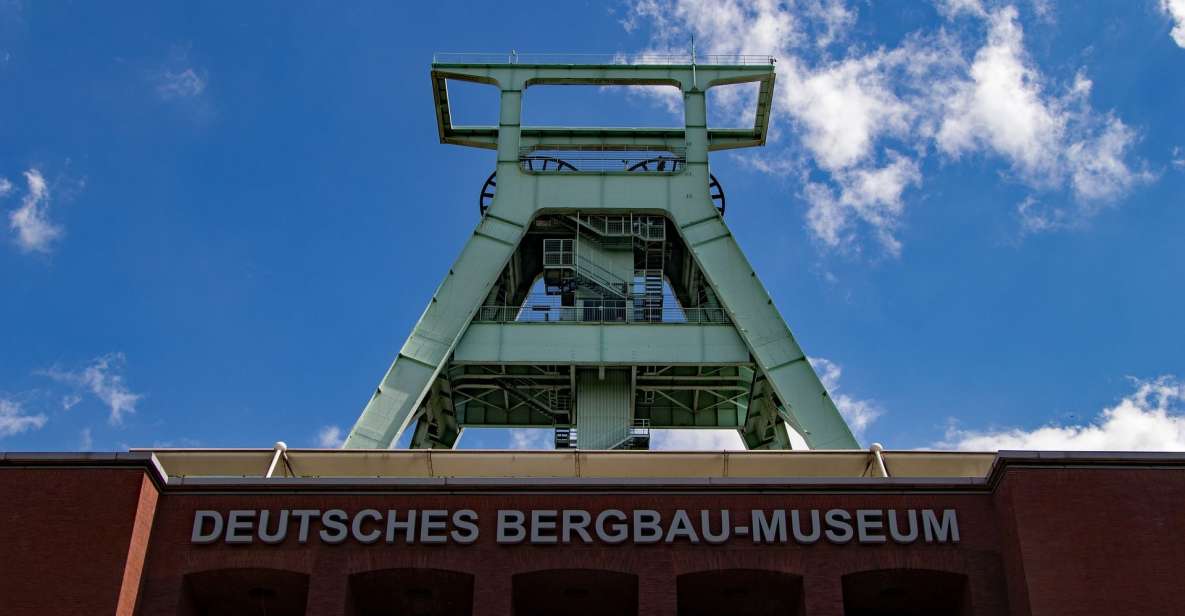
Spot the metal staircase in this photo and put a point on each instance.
(559, 408)
(648, 295)
(650, 261)
(645, 227)
(635, 438)
(565, 270)
(565, 437)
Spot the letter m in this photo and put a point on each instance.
(769, 530)
(945, 531)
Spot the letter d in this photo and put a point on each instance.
(199, 522)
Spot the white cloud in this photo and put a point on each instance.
(1178, 158)
(868, 118)
(35, 232)
(1004, 108)
(833, 17)
(859, 413)
(531, 438)
(69, 401)
(180, 84)
(103, 379)
(1099, 173)
(845, 107)
(330, 437)
(954, 8)
(1001, 106)
(870, 195)
(1037, 217)
(1175, 9)
(14, 419)
(1150, 419)
(696, 440)
(5, 187)
(1045, 10)
(86, 441)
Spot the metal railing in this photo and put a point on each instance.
(644, 227)
(601, 276)
(536, 160)
(558, 253)
(621, 59)
(544, 313)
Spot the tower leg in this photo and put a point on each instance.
(789, 375)
(437, 427)
(407, 382)
(764, 427)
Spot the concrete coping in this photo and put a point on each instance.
(479, 468)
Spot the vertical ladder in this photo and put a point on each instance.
(650, 232)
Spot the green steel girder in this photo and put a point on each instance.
(666, 396)
(519, 77)
(794, 390)
(607, 344)
(437, 427)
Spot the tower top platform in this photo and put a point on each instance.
(514, 73)
(601, 59)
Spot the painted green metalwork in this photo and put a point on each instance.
(715, 353)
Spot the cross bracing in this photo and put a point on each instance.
(601, 293)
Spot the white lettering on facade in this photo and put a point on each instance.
(554, 526)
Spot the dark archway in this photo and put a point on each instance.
(740, 592)
(905, 592)
(411, 592)
(245, 592)
(575, 592)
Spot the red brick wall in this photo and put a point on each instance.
(72, 540)
(1096, 540)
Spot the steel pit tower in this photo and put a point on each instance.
(601, 294)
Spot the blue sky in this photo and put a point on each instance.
(220, 221)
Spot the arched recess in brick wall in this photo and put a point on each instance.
(575, 592)
(245, 592)
(417, 591)
(740, 592)
(906, 592)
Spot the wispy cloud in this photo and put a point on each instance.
(180, 84)
(867, 118)
(86, 441)
(33, 230)
(1175, 9)
(696, 440)
(103, 379)
(179, 78)
(15, 420)
(860, 413)
(1152, 418)
(330, 437)
(531, 438)
(956, 8)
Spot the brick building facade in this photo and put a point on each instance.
(169, 532)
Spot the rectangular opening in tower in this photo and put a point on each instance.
(603, 106)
